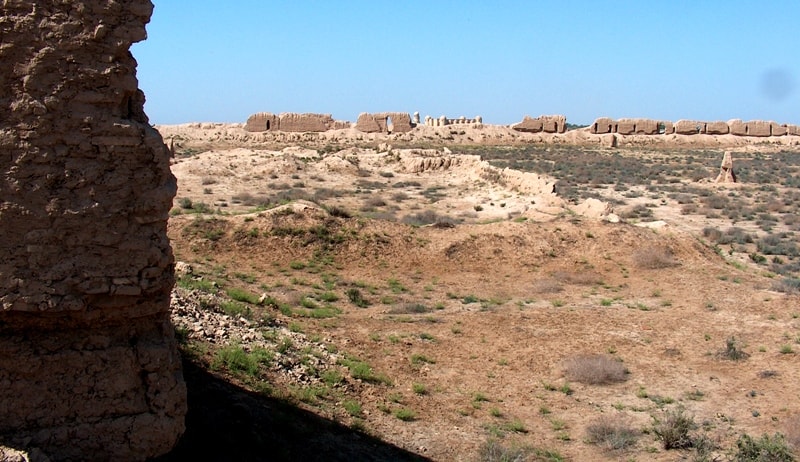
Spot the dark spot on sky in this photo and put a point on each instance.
(777, 84)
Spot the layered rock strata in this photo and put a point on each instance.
(89, 368)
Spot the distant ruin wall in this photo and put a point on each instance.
(89, 368)
(545, 123)
(443, 121)
(291, 122)
(736, 127)
(384, 122)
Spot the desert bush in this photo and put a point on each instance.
(546, 286)
(733, 350)
(788, 285)
(711, 233)
(595, 370)
(682, 198)
(674, 430)
(339, 212)
(326, 193)
(637, 211)
(399, 196)
(494, 451)
(654, 258)
(246, 198)
(792, 427)
(612, 433)
(736, 235)
(764, 449)
(411, 308)
(375, 201)
(407, 184)
(777, 244)
(185, 203)
(356, 298)
(584, 278)
(715, 201)
(427, 217)
(688, 209)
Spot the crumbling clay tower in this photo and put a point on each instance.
(89, 368)
(726, 174)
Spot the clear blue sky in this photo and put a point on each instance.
(215, 61)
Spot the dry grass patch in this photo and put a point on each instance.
(654, 258)
(582, 278)
(595, 370)
(793, 433)
(612, 433)
(546, 286)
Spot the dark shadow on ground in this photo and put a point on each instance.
(228, 423)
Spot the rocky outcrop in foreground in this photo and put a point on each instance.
(89, 368)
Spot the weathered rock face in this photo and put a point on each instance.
(89, 368)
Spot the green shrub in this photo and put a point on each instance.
(357, 298)
(352, 407)
(236, 360)
(765, 449)
(241, 295)
(405, 414)
(675, 429)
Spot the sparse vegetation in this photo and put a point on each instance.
(595, 370)
(612, 433)
(675, 429)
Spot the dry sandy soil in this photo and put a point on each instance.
(406, 310)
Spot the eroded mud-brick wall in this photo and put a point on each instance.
(88, 362)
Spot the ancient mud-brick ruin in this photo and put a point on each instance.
(89, 368)
(546, 124)
(443, 121)
(384, 122)
(736, 127)
(291, 122)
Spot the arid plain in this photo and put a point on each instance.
(426, 295)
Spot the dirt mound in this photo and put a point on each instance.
(466, 323)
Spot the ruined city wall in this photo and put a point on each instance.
(545, 123)
(89, 368)
(758, 128)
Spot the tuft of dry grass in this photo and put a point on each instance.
(612, 433)
(653, 257)
(582, 278)
(546, 286)
(595, 370)
(793, 433)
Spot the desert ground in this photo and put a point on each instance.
(484, 295)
